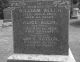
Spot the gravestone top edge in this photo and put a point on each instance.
(61, 3)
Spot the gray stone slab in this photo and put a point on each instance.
(26, 61)
(43, 58)
(41, 27)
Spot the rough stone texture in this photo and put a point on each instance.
(7, 15)
(17, 3)
(8, 11)
(25, 58)
(41, 27)
(28, 61)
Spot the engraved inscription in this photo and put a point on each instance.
(41, 27)
(39, 23)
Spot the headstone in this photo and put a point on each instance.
(41, 27)
(7, 14)
(1, 23)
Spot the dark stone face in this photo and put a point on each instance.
(41, 27)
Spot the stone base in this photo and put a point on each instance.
(27, 61)
(41, 58)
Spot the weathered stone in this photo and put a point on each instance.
(28, 61)
(41, 27)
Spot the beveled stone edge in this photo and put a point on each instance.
(39, 57)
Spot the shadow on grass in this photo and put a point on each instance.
(75, 24)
